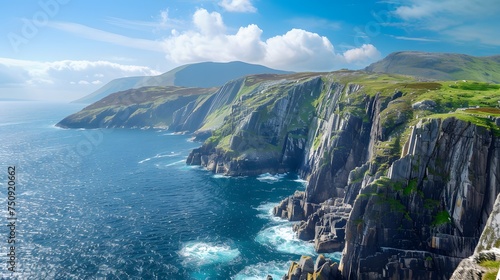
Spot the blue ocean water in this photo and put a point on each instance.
(122, 204)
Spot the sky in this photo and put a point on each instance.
(65, 49)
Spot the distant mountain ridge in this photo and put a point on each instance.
(200, 75)
(440, 66)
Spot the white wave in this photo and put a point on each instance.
(12, 123)
(283, 239)
(220, 176)
(175, 133)
(303, 182)
(176, 163)
(261, 270)
(161, 155)
(271, 179)
(266, 212)
(203, 253)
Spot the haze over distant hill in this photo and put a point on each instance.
(440, 66)
(204, 74)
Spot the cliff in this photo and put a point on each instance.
(136, 108)
(401, 173)
(428, 213)
(485, 261)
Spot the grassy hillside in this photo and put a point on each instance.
(143, 107)
(440, 66)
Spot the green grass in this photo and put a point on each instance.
(441, 218)
(476, 86)
(411, 187)
(492, 267)
(476, 119)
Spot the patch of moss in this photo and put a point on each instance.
(441, 218)
(490, 264)
(492, 269)
(411, 187)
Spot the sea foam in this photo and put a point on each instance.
(204, 253)
(266, 212)
(270, 179)
(260, 271)
(283, 239)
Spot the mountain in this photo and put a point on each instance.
(111, 87)
(204, 74)
(440, 66)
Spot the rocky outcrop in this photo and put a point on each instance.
(306, 268)
(486, 257)
(428, 214)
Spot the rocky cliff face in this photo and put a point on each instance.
(429, 212)
(485, 262)
(403, 191)
(265, 129)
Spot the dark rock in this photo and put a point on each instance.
(306, 264)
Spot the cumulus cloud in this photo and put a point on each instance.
(240, 6)
(70, 77)
(297, 49)
(364, 54)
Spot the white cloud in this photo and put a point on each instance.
(240, 6)
(418, 39)
(208, 23)
(297, 49)
(71, 78)
(302, 48)
(451, 19)
(104, 36)
(363, 55)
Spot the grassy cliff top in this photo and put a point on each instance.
(406, 100)
(440, 66)
(147, 95)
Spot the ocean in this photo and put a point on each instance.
(122, 204)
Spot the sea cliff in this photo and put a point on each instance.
(402, 173)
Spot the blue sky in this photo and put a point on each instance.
(64, 49)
